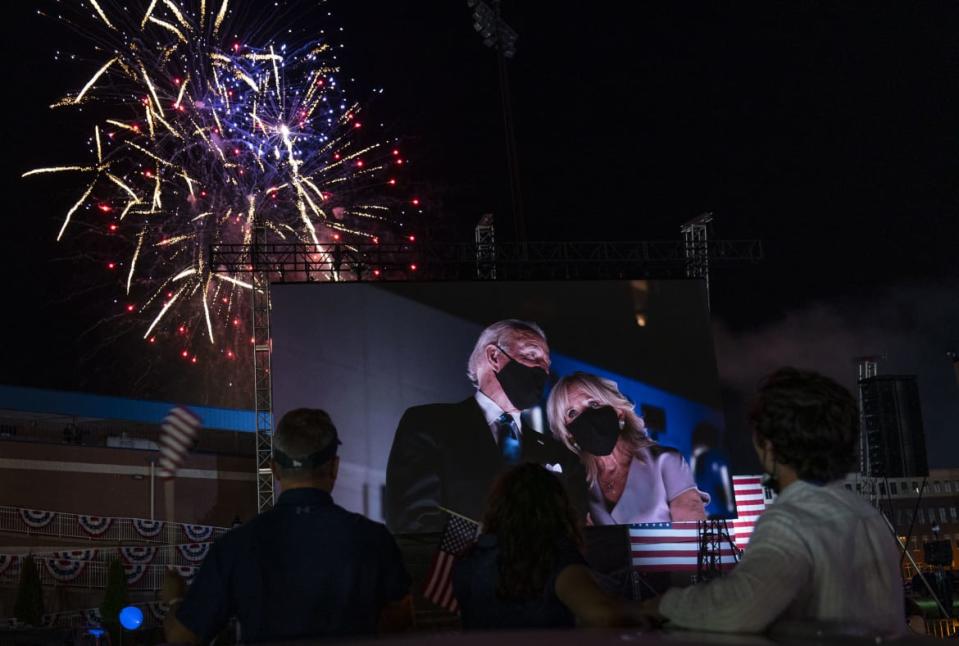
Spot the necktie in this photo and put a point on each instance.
(509, 444)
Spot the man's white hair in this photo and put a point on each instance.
(496, 334)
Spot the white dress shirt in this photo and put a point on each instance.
(492, 412)
(819, 554)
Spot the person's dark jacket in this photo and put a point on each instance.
(306, 569)
(445, 455)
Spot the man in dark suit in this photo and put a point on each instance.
(447, 455)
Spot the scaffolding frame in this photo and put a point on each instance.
(262, 378)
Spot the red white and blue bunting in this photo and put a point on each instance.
(194, 552)
(185, 571)
(147, 528)
(64, 570)
(6, 561)
(53, 523)
(198, 533)
(134, 572)
(75, 555)
(158, 610)
(138, 555)
(35, 518)
(94, 525)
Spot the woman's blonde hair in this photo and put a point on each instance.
(602, 390)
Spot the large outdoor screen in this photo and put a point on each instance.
(436, 388)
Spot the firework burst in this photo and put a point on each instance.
(200, 130)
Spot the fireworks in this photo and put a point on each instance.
(201, 130)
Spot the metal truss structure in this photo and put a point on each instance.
(262, 378)
(713, 534)
(300, 262)
(696, 247)
(485, 238)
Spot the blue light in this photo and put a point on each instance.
(131, 617)
(97, 632)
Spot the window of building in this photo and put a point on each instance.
(915, 486)
(937, 486)
(848, 487)
(892, 489)
(953, 514)
(942, 514)
(882, 488)
(920, 517)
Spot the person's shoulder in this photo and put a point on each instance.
(800, 502)
(666, 458)
(235, 539)
(439, 410)
(363, 527)
(851, 500)
(664, 453)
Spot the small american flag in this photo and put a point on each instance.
(459, 534)
(672, 547)
(176, 439)
(750, 504)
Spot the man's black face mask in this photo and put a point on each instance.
(596, 430)
(523, 385)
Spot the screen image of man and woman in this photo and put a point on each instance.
(437, 388)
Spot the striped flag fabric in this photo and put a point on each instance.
(750, 504)
(673, 547)
(177, 435)
(459, 533)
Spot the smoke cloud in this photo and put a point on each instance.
(914, 326)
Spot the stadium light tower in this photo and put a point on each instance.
(496, 32)
(499, 36)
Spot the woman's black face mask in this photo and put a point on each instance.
(596, 430)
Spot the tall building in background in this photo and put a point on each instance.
(894, 440)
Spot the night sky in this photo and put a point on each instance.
(827, 130)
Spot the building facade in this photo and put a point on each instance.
(922, 510)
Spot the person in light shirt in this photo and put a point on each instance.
(820, 556)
